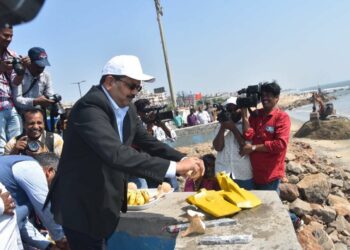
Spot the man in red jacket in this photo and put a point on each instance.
(268, 129)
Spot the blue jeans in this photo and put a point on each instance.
(273, 185)
(246, 184)
(141, 183)
(10, 126)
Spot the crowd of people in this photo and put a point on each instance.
(107, 140)
(57, 194)
(195, 117)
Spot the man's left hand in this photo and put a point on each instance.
(246, 149)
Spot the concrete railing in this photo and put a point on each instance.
(195, 134)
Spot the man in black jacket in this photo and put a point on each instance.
(90, 188)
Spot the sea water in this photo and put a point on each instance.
(341, 104)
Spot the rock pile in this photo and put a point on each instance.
(335, 128)
(318, 192)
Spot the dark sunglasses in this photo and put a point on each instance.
(132, 86)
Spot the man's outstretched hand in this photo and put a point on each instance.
(191, 167)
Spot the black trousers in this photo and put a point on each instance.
(82, 241)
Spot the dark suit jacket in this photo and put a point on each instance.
(90, 187)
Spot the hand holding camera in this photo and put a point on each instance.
(43, 101)
(21, 144)
(29, 147)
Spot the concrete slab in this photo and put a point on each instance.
(269, 224)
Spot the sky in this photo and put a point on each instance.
(213, 45)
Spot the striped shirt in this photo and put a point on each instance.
(6, 78)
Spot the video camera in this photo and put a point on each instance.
(249, 97)
(56, 108)
(223, 115)
(158, 116)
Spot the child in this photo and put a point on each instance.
(208, 181)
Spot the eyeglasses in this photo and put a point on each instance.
(132, 86)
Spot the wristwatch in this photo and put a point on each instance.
(253, 147)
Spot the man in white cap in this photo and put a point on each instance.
(228, 142)
(90, 187)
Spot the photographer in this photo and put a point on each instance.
(159, 130)
(269, 130)
(228, 142)
(11, 74)
(34, 138)
(155, 126)
(36, 86)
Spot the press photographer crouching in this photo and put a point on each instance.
(228, 142)
(34, 139)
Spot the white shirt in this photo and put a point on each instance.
(118, 112)
(9, 232)
(203, 117)
(42, 86)
(229, 159)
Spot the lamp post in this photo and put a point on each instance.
(78, 83)
(160, 13)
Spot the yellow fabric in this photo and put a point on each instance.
(233, 193)
(230, 200)
(213, 203)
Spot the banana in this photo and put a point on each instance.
(132, 197)
(145, 195)
(139, 198)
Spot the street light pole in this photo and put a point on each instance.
(78, 83)
(160, 13)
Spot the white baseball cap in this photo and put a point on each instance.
(232, 100)
(126, 65)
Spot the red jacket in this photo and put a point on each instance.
(273, 131)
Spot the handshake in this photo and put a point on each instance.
(191, 167)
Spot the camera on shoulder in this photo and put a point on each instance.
(249, 97)
(158, 114)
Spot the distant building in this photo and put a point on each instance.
(157, 98)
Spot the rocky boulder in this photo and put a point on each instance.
(288, 192)
(307, 240)
(340, 205)
(326, 213)
(314, 188)
(300, 207)
(295, 167)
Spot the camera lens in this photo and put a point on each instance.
(33, 146)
